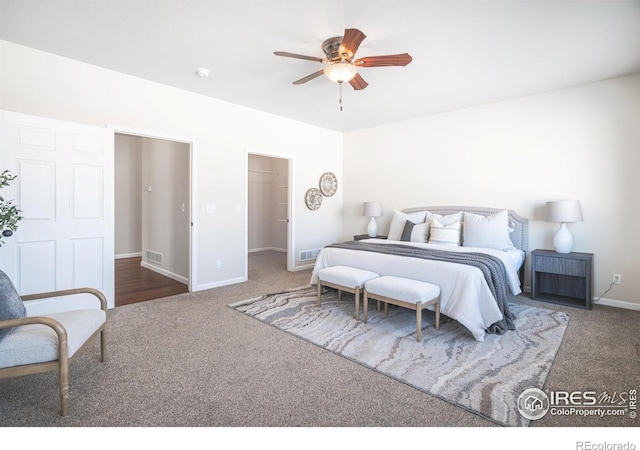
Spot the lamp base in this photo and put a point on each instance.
(563, 240)
(372, 229)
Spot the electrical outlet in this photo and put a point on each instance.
(617, 278)
(219, 263)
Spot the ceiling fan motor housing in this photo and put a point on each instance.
(331, 46)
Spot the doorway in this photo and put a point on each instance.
(269, 209)
(153, 221)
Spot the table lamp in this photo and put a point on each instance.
(373, 210)
(563, 211)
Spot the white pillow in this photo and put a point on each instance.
(445, 220)
(398, 220)
(444, 234)
(490, 231)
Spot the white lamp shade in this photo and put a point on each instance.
(372, 209)
(564, 211)
(340, 72)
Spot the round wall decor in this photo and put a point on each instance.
(313, 199)
(328, 184)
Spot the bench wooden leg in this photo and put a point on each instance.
(357, 300)
(438, 314)
(365, 305)
(319, 292)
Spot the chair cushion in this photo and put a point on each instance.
(11, 305)
(346, 276)
(29, 344)
(404, 289)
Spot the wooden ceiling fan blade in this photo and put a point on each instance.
(358, 83)
(384, 61)
(350, 42)
(308, 77)
(295, 55)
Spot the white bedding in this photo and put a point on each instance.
(464, 293)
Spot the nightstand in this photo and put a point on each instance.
(359, 237)
(562, 278)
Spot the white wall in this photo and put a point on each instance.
(128, 189)
(165, 206)
(43, 84)
(578, 143)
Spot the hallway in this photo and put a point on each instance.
(135, 283)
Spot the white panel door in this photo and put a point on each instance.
(65, 191)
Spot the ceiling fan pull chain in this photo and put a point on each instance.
(340, 95)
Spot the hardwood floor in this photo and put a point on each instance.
(135, 283)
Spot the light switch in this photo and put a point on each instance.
(211, 208)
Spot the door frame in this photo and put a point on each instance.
(153, 134)
(290, 207)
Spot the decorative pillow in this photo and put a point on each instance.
(11, 305)
(490, 231)
(406, 232)
(444, 234)
(420, 232)
(399, 219)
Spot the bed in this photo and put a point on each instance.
(467, 294)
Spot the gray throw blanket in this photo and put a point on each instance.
(492, 268)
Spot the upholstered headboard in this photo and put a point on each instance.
(519, 235)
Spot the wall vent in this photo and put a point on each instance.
(306, 255)
(154, 256)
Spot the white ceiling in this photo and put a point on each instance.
(465, 53)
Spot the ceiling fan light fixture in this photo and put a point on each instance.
(340, 72)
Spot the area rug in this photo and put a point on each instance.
(485, 378)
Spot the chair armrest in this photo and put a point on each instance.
(95, 292)
(63, 340)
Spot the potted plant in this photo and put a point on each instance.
(9, 213)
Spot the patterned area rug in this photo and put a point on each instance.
(483, 377)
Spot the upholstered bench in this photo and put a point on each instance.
(344, 278)
(404, 292)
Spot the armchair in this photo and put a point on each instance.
(30, 345)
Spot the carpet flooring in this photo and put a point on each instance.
(191, 361)
(483, 377)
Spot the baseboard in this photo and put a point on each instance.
(128, 255)
(264, 249)
(216, 284)
(164, 272)
(305, 267)
(617, 304)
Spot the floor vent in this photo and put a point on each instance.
(154, 256)
(306, 255)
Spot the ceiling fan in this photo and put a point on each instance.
(340, 63)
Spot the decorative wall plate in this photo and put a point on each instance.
(328, 184)
(313, 199)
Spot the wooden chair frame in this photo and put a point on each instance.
(63, 361)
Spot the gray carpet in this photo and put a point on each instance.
(483, 377)
(190, 360)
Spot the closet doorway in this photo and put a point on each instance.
(152, 217)
(269, 210)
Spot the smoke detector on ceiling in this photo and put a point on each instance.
(203, 72)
